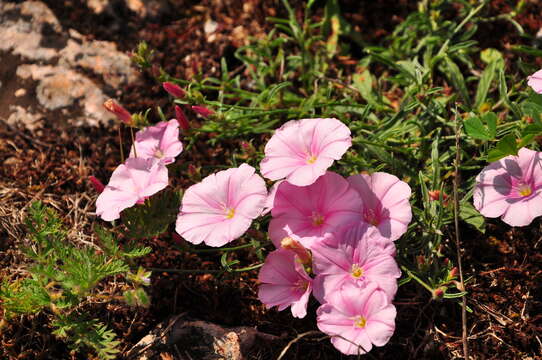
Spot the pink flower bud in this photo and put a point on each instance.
(202, 110)
(173, 89)
(438, 293)
(181, 118)
(97, 184)
(453, 273)
(121, 113)
(295, 246)
(435, 195)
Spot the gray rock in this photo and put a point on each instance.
(102, 58)
(51, 66)
(182, 338)
(22, 27)
(20, 116)
(59, 87)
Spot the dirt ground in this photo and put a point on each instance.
(503, 266)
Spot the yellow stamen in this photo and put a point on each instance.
(360, 322)
(158, 154)
(370, 217)
(311, 159)
(525, 190)
(317, 219)
(356, 271)
(230, 213)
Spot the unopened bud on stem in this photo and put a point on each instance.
(97, 184)
(202, 110)
(173, 89)
(181, 118)
(121, 113)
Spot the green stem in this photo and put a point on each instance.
(420, 281)
(222, 249)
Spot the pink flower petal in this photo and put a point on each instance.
(535, 81)
(130, 183)
(302, 150)
(222, 206)
(315, 210)
(160, 141)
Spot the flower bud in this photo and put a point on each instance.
(435, 195)
(295, 246)
(173, 89)
(97, 184)
(438, 293)
(181, 118)
(453, 273)
(202, 110)
(121, 113)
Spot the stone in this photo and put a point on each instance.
(59, 87)
(200, 340)
(21, 117)
(22, 29)
(46, 69)
(101, 58)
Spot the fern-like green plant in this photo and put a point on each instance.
(63, 275)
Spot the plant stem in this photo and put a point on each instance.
(420, 281)
(120, 144)
(222, 249)
(133, 141)
(457, 240)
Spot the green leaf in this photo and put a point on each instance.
(474, 126)
(490, 55)
(457, 79)
(154, 216)
(471, 216)
(490, 119)
(506, 146)
(483, 85)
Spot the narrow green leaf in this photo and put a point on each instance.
(457, 79)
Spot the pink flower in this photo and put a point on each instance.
(120, 112)
(302, 150)
(131, 183)
(385, 203)
(511, 188)
(222, 206)
(270, 201)
(173, 89)
(357, 319)
(352, 259)
(284, 283)
(160, 141)
(181, 118)
(535, 81)
(312, 211)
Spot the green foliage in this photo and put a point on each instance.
(405, 103)
(87, 334)
(63, 276)
(153, 217)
